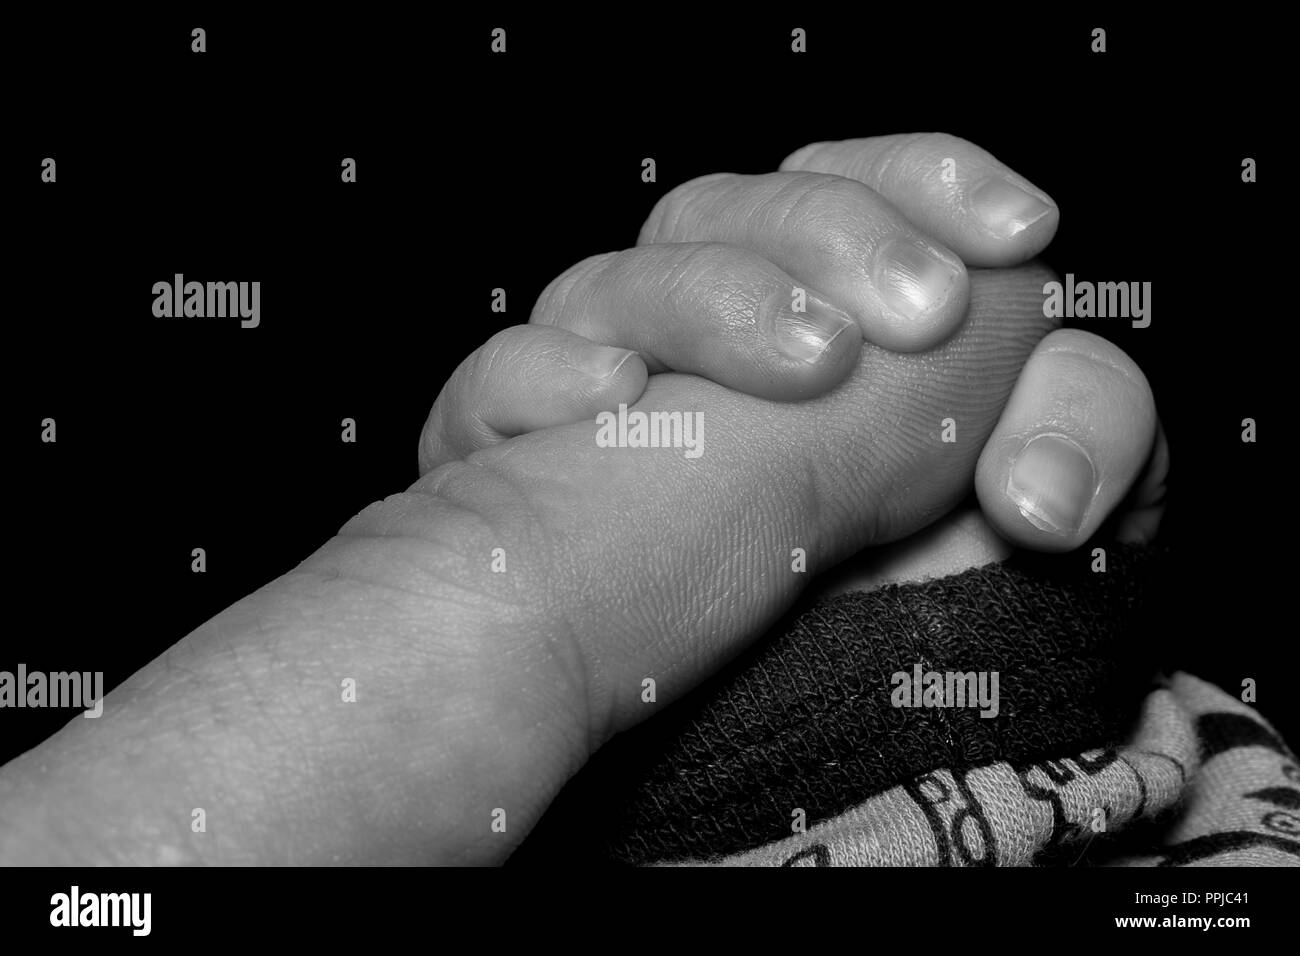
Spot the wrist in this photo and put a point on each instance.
(370, 706)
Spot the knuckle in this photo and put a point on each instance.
(677, 209)
(928, 146)
(430, 445)
(833, 213)
(905, 155)
(813, 194)
(713, 280)
(805, 157)
(496, 357)
(561, 296)
(813, 198)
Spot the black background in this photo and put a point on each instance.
(478, 171)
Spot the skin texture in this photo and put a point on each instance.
(1079, 388)
(717, 531)
(937, 181)
(831, 234)
(477, 690)
(480, 691)
(1075, 386)
(710, 308)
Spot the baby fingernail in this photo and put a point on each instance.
(600, 361)
(808, 334)
(914, 279)
(1006, 209)
(1052, 482)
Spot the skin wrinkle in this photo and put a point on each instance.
(712, 498)
(390, 589)
(963, 349)
(724, 288)
(752, 567)
(561, 637)
(909, 170)
(687, 291)
(556, 639)
(1127, 370)
(800, 156)
(824, 225)
(431, 441)
(199, 729)
(437, 484)
(514, 482)
(557, 299)
(689, 196)
(389, 548)
(554, 298)
(882, 163)
(662, 224)
(1079, 392)
(803, 212)
(598, 679)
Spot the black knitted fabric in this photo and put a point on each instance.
(805, 718)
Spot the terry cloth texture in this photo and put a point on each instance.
(1211, 780)
(809, 722)
(806, 719)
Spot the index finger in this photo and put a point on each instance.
(947, 187)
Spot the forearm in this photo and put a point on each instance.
(249, 719)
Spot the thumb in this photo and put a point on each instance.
(659, 564)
